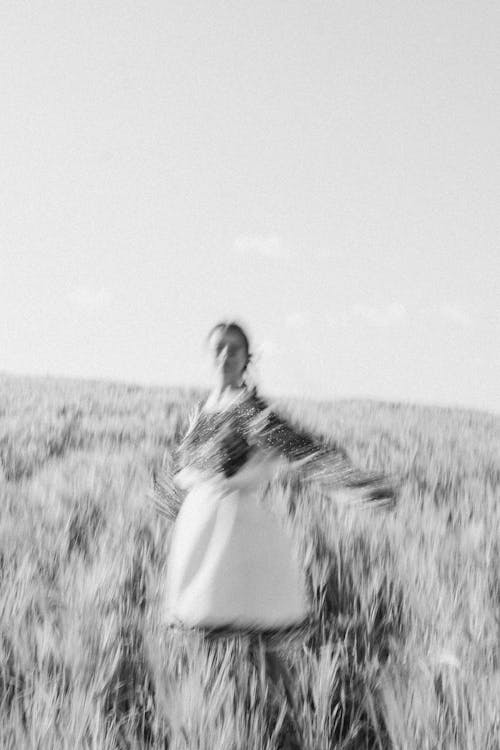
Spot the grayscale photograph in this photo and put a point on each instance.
(249, 375)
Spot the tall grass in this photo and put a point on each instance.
(406, 651)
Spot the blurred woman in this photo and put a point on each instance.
(232, 568)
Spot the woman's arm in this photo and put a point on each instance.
(167, 494)
(317, 460)
(171, 484)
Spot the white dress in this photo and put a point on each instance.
(231, 563)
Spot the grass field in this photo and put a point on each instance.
(408, 650)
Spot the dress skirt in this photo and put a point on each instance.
(231, 563)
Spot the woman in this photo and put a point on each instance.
(231, 566)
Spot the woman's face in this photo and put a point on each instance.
(229, 355)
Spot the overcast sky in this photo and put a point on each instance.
(326, 172)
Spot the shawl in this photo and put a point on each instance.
(220, 443)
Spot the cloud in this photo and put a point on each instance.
(296, 319)
(268, 246)
(456, 316)
(89, 299)
(384, 316)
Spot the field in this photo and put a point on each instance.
(408, 652)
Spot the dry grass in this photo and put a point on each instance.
(407, 652)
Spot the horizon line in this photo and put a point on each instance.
(112, 380)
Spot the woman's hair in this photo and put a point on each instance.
(234, 328)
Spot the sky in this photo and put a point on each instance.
(327, 173)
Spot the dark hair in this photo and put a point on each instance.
(234, 328)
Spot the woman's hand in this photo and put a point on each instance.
(385, 495)
(188, 477)
(378, 492)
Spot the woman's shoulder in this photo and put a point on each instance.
(254, 401)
